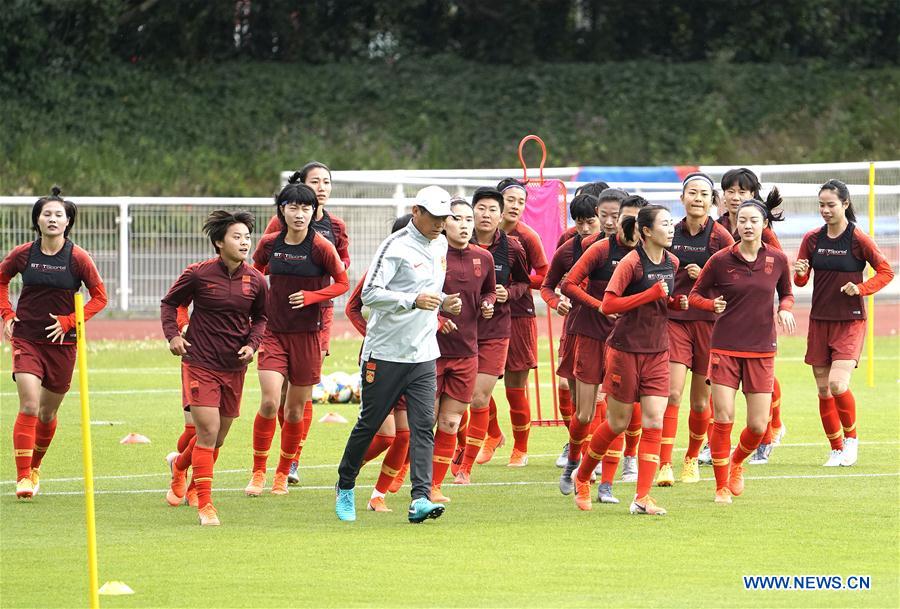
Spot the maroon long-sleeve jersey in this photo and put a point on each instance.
(510, 271)
(535, 260)
(470, 273)
(566, 255)
(229, 312)
(695, 249)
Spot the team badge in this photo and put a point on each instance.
(370, 372)
(476, 266)
(770, 264)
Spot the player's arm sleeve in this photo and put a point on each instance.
(258, 316)
(697, 299)
(803, 254)
(9, 268)
(771, 239)
(274, 225)
(883, 271)
(785, 295)
(182, 317)
(489, 285)
(181, 293)
(552, 279)
(571, 285)
(97, 291)
(262, 253)
(613, 300)
(537, 279)
(375, 293)
(353, 308)
(343, 245)
(519, 282)
(335, 267)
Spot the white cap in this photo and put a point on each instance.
(435, 200)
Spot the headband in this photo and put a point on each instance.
(698, 176)
(522, 186)
(759, 205)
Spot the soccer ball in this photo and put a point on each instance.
(342, 391)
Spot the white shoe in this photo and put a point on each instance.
(629, 469)
(834, 459)
(563, 459)
(851, 448)
(782, 431)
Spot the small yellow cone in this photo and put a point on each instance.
(115, 589)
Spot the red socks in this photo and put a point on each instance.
(648, 460)
(599, 444)
(185, 458)
(776, 406)
(463, 428)
(307, 421)
(566, 408)
(698, 424)
(669, 429)
(846, 409)
(189, 432)
(719, 448)
(379, 444)
(291, 433)
(43, 435)
(478, 424)
(203, 473)
(611, 460)
(444, 445)
(578, 436)
(393, 461)
(633, 432)
(831, 423)
(23, 443)
(493, 428)
(263, 432)
(747, 444)
(519, 416)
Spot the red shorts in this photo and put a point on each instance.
(566, 368)
(589, 359)
(750, 374)
(689, 343)
(492, 356)
(53, 364)
(456, 377)
(220, 389)
(522, 344)
(632, 375)
(828, 341)
(296, 355)
(325, 331)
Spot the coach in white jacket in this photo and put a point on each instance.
(403, 290)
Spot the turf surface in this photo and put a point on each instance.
(509, 540)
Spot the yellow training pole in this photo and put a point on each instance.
(870, 324)
(86, 453)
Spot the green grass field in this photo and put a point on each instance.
(508, 540)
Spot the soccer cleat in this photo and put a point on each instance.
(723, 496)
(462, 477)
(690, 471)
(279, 484)
(437, 496)
(377, 504)
(851, 449)
(397, 482)
(567, 478)
(191, 496)
(25, 488)
(487, 450)
(604, 493)
(344, 504)
(257, 483)
(583, 496)
(35, 480)
(293, 476)
(456, 462)
(834, 458)
(563, 457)
(517, 459)
(666, 475)
(647, 506)
(761, 456)
(736, 480)
(705, 456)
(629, 469)
(778, 435)
(178, 485)
(422, 509)
(208, 516)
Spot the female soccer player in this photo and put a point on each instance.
(226, 328)
(592, 329)
(838, 252)
(468, 275)
(637, 363)
(522, 356)
(740, 283)
(697, 237)
(511, 277)
(301, 265)
(41, 328)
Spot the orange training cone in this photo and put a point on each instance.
(332, 417)
(135, 438)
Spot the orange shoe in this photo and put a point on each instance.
(462, 477)
(208, 516)
(279, 484)
(191, 496)
(723, 496)
(583, 496)
(736, 480)
(257, 482)
(646, 505)
(397, 482)
(377, 504)
(456, 462)
(177, 487)
(487, 451)
(437, 496)
(517, 459)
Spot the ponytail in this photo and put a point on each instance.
(628, 225)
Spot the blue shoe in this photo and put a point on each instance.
(422, 509)
(345, 504)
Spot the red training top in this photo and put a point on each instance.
(695, 249)
(353, 309)
(567, 234)
(566, 255)
(469, 273)
(229, 312)
(837, 262)
(510, 271)
(49, 284)
(747, 326)
(309, 267)
(535, 260)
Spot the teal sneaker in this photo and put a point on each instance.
(422, 509)
(345, 504)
